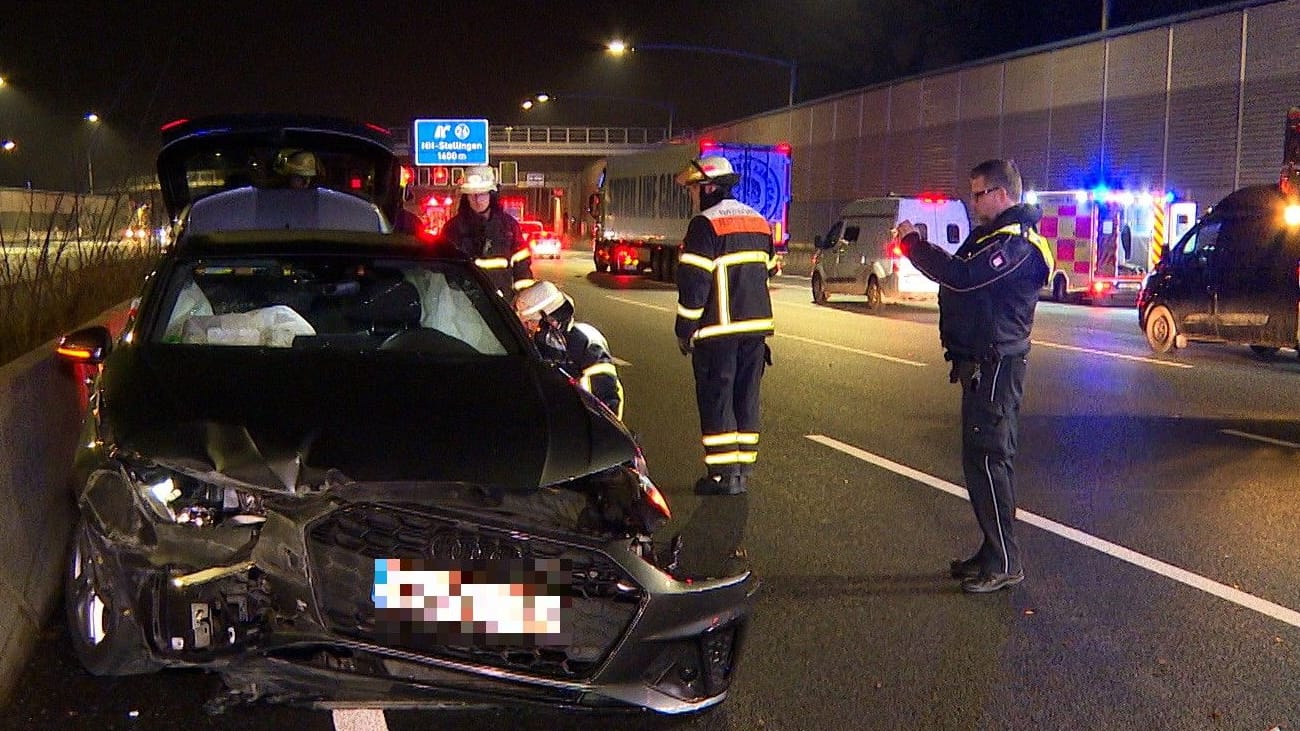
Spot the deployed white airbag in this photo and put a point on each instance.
(274, 326)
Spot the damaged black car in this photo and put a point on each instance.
(331, 467)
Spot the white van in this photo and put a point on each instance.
(859, 256)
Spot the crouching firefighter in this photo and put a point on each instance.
(580, 349)
(724, 315)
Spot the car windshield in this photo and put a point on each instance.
(344, 303)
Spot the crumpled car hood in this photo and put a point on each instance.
(281, 419)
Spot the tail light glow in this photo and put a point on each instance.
(75, 353)
(657, 499)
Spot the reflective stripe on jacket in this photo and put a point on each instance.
(497, 246)
(722, 274)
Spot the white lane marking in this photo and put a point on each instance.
(847, 349)
(360, 719)
(1258, 438)
(625, 300)
(1107, 353)
(1156, 566)
(822, 343)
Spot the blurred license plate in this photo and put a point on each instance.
(494, 601)
(1126, 285)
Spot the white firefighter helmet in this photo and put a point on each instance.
(538, 299)
(297, 162)
(479, 179)
(712, 169)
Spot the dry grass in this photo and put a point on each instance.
(61, 268)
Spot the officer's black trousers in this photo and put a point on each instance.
(727, 375)
(990, 410)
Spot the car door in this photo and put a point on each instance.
(1191, 291)
(841, 276)
(1256, 288)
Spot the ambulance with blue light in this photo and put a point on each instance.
(1105, 241)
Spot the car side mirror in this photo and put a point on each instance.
(90, 345)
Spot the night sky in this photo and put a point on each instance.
(140, 64)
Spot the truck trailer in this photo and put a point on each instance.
(641, 213)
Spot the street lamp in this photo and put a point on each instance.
(543, 98)
(618, 48)
(90, 168)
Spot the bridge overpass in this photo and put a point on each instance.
(510, 141)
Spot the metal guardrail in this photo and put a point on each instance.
(579, 135)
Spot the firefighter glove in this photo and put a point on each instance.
(685, 345)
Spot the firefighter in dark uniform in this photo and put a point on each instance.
(724, 315)
(580, 349)
(987, 295)
(487, 234)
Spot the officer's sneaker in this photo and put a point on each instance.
(968, 569)
(720, 485)
(988, 583)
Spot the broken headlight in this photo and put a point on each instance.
(622, 499)
(179, 498)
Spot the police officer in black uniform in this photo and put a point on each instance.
(484, 231)
(987, 295)
(724, 315)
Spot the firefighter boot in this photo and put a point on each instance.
(720, 485)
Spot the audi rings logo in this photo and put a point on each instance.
(450, 545)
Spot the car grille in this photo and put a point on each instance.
(343, 547)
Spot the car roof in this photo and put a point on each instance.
(280, 242)
(252, 208)
(1251, 200)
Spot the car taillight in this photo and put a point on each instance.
(897, 250)
(1099, 287)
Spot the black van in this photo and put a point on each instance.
(1233, 277)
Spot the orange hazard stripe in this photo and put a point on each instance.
(740, 225)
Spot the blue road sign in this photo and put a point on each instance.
(451, 141)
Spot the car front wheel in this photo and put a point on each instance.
(104, 633)
(818, 290)
(1161, 331)
(874, 296)
(1058, 288)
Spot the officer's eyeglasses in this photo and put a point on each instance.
(977, 194)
